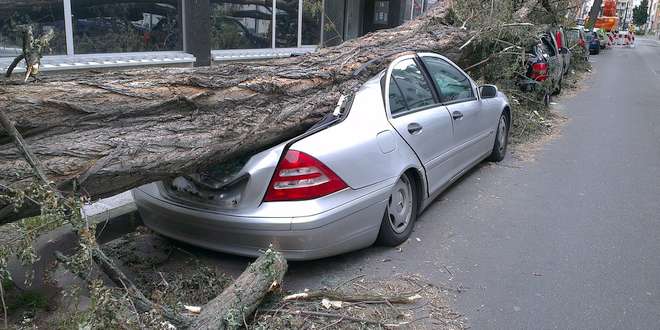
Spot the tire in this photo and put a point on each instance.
(557, 90)
(501, 140)
(400, 213)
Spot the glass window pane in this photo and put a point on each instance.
(397, 102)
(286, 31)
(42, 18)
(236, 26)
(333, 29)
(129, 26)
(418, 6)
(311, 27)
(353, 20)
(405, 11)
(410, 80)
(452, 84)
(381, 13)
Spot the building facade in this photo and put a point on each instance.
(654, 17)
(107, 33)
(624, 10)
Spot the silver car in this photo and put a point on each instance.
(360, 176)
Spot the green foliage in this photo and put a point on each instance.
(28, 300)
(499, 50)
(640, 13)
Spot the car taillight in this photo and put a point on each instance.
(539, 71)
(299, 176)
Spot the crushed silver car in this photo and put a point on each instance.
(360, 176)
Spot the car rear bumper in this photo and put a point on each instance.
(346, 227)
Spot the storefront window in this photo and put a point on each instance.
(41, 17)
(406, 6)
(353, 20)
(418, 7)
(236, 26)
(311, 22)
(126, 26)
(411, 9)
(286, 30)
(333, 29)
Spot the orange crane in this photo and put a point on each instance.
(608, 21)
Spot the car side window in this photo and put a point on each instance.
(397, 102)
(549, 48)
(408, 89)
(452, 84)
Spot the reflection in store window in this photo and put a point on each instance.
(418, 6)
(42, 18)
(311, 26)
(333, 28)
(127, 26)
(235, 26)
(381, 12)
(286, 30)
(411, 9)
(405, 11)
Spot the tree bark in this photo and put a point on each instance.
(230, 309)
(226, 311)
(110, 132)
(524, 10)
(593, 14)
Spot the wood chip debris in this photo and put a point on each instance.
(193, 309)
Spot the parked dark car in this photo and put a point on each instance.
(602, 37)
(562, 47)
(575, 38)
(544, 64)
(594, 43)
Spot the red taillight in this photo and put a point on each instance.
(539, 71)
(299, 176)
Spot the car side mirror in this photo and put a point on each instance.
(488, 91)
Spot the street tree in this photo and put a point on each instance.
(640, 13)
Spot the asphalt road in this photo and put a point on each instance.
(570, 240)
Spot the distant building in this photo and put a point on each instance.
(654, 17)
(117, 33)
(624, 10)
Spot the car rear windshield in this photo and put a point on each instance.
(547, 47)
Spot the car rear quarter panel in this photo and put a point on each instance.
(364, 149)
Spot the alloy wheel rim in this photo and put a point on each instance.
(501, 134)
(399, 208)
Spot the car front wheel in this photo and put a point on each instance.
(501, 140)
(400, 213)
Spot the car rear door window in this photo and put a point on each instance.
(408, 89)
(548, 47)
(452, 84)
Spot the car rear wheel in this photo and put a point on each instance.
(400, 213)
(501, 140)
(557, 89)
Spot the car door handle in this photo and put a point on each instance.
(414, 128)
(457, 115)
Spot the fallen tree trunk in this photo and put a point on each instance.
(230, 309)
(233, 305)
(105, 133)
